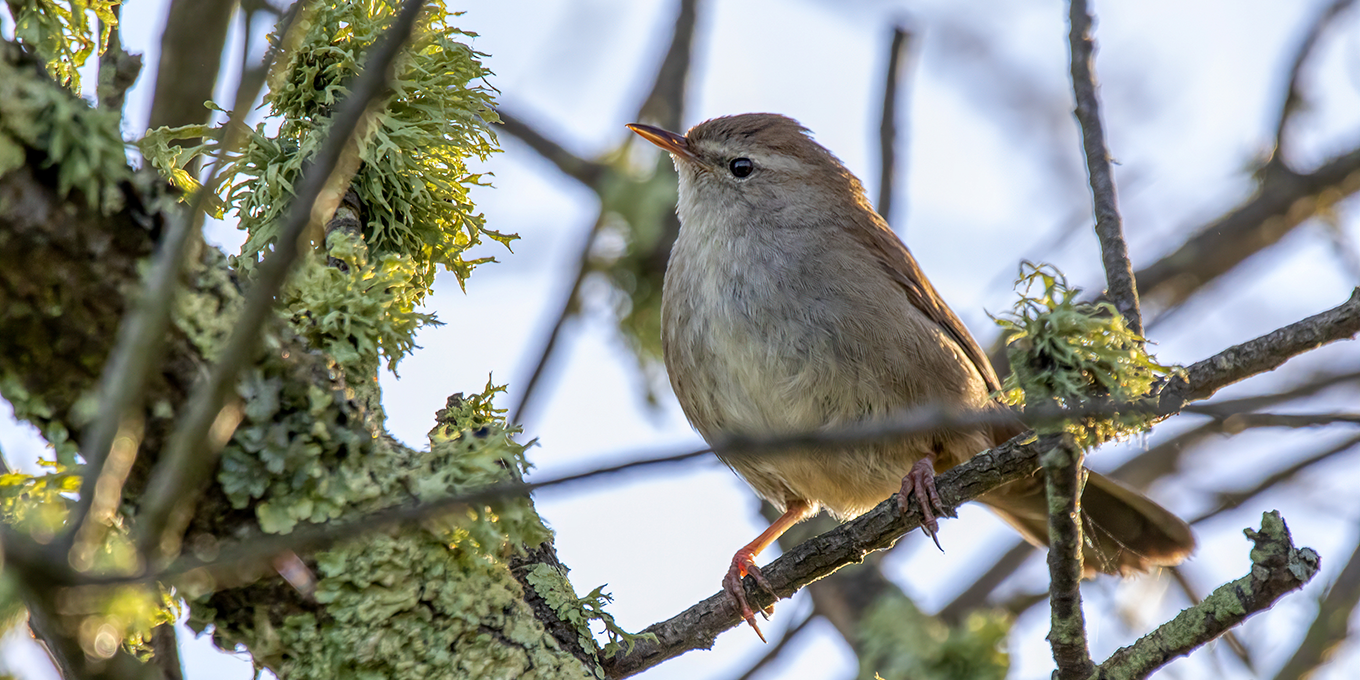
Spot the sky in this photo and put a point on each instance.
(991, 174)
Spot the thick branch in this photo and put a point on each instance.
(191, 55)
(1114, 252)
(1277, 568)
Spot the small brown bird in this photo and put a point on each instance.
(790, 306)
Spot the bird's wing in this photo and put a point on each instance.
(899, 263)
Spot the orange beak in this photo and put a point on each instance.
(667, 140)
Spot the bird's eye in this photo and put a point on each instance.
(741, 167)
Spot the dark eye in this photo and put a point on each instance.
(741, 167)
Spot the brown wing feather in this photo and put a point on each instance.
(900, 264)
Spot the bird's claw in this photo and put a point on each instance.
(743, 564)
(921, 482)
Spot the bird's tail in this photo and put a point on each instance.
(1125, 532)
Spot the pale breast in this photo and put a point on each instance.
(763, 339)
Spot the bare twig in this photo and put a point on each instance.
(976, 594)
(1231, 500)
(1277, 568)
(1330, 627)
(1293, 96)
(1114, 252)
(899, 69)
(190, 457)
(1063, 480)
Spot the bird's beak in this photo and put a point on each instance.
(669, 141)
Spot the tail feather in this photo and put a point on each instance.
(1125, 531)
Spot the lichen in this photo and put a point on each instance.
(61, 33)
(1074, 354)
(897, 641)
(83, 144)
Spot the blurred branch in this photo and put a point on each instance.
(1282, 202)
(1231, 500)
(137, 351)
(1063, 480)
(977, 593)
(1277, 568)
(899, 51)
(191, 453)
(118, 70)
(1114, 252)
(573, 166)
(779, 646)
(191, 57)
(665, 104)
(1330, 627)
(567, 309)
(1293, 97)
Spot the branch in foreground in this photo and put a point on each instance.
(1114, 252)
(1277, 568)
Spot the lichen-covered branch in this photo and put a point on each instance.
(1277, 568)
(1114, 252)
(1063, 473)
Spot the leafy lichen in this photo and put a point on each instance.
(62, 34)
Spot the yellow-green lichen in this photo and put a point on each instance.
(62, 33)
(1074, 354)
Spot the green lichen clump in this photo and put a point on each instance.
(81, 143)
(1075, 354)
(898, 642)
(433, 602)
(413, 180)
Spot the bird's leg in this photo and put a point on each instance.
(921, 481)
(744, 562)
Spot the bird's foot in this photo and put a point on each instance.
(743, 563)
(921, 481)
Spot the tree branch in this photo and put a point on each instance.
(1114, 252)
(899, 51)
(1277, 568)
(1293, 96)
(698, 626)
(191, 56)
(1063, 480)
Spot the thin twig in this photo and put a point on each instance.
(190, 458)
(1114, 252)
(584, 171)
(1277, 568)
(1063, 480)
(1231, 500)
(899, 69)
(665, 104)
